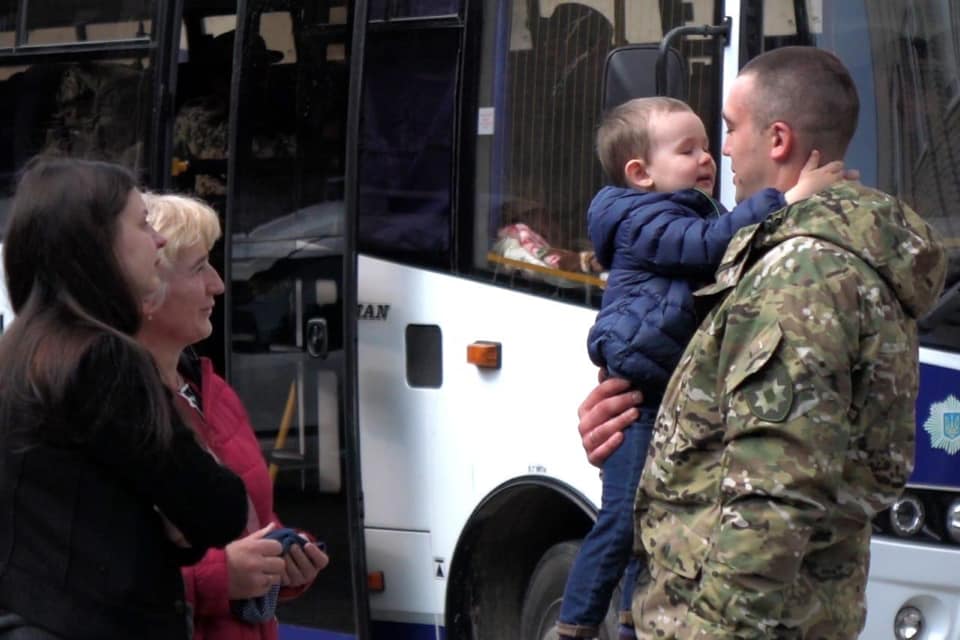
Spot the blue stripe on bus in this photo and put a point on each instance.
(290, 632)
(378, 630)
(405, 631)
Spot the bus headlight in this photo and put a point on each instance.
(953, 520)
(908, 624)
(907, 516)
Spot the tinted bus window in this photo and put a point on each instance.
(59, 22)
(539, 105)
(285, 253)
(96, 110)
(406, 151)
(905, 60)
(396, 9)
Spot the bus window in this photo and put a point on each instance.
(406, 145)
(97, 110)
(539, 105)
(52, 22)
(393, 10)
(905, 60)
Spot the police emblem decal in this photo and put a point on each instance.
(943, 425)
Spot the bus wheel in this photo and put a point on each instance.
(541, 603)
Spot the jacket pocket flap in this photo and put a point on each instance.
(754, 356)
(674, 543)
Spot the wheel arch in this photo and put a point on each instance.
(499, 547)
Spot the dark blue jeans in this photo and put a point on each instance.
(608, 548)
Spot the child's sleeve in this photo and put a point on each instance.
(676, 244)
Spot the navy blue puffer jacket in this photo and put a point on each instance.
(659, 248)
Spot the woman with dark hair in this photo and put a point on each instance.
(91, 452)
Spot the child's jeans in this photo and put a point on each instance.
(608, 548)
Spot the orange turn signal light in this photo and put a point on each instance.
(484, 354)
(375, 582)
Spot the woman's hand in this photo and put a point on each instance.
(607, 410)
(303, 564)
(254, 565)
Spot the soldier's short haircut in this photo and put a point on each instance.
(811, 90)
(184, 221)
(624, 133)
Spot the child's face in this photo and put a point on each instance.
(679, 153)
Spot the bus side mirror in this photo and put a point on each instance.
(631, 72)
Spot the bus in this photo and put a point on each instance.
(403, 187)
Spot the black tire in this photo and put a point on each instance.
(541, 602)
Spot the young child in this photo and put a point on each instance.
(661, 236)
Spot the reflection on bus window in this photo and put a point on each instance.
(406, 142)
(539, 107)
(51, 22)
(96, 110)
(906, 63)
(201, 128)
(392, 10)
(286, 256)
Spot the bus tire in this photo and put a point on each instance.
(541, 602)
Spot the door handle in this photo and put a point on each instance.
(318, 338)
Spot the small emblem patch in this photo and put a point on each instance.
(943, 425)
(770, 394)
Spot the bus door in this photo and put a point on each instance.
(261, 132)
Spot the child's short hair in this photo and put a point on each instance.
(624, 133)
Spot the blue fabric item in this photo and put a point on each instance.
(659, 249)
(262, 609)
(608, 548)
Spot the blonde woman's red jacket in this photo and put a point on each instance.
(225, 429)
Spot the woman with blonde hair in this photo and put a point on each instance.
(252, 565)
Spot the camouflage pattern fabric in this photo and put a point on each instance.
(788, 424)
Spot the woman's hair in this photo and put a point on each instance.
(184, 221)
(68, 289)
(59, 244)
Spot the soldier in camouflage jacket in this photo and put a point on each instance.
(788, 423)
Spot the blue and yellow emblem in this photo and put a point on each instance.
(943, 425)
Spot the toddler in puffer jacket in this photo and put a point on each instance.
(661, 236)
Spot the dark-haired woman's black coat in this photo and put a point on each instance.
(83, 552)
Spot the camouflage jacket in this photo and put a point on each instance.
(789, 422)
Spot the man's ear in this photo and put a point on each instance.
(782, 141)
(635, 172)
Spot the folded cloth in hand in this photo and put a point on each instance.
(263, 608)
